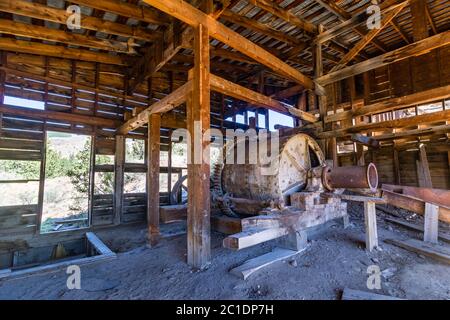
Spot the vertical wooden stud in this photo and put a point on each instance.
(154, 127)
(119, 172)
(370, 220)
(198, 116)
(431, 223)
(424, 167)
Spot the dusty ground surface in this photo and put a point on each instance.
(335, 259)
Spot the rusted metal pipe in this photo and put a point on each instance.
(350, 177)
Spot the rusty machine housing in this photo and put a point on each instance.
(301, 193)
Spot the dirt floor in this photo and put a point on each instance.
(335, 259)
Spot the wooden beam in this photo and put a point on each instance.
(232, 55)
(119, 165)
(414, 49)
(43, 12)
(397, 123)
(11, 44)
(236, 91)
(251, 266)
(370, 219)
(168, 103)
(439, 197)
(422, 97)
(434, 251)
(365, 140)
(59, 116)
(419, 19)
(396, 164)
(198, 115)
(431, 223)
(369, 37)
(288, 92)
(154, 127)
(286, 15)
(412, 204)
(430, 19)
(157, 56)
(425, 167)
(125, 9)
(351, 21)
(55, 35)
(318, 72)
(417, 227)
(350, 294)
(70, 84)
(248, 23)
(192, 16)
(425, 131)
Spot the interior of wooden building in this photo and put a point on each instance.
(366, 84)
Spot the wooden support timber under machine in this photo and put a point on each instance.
(299, 194)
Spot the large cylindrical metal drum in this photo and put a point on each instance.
(264, 183)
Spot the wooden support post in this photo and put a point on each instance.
(370, 220)
(41, 183)
(360, 155)
(431, 223)
(2, 76)
(397, 178)
(198, 121)
(266, 118)
(424, 168)
(91, 190)
(169, 162)
(154, 127)
(419, 19)
(119, 164)
(322, 99)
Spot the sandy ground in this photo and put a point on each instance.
(335, 259)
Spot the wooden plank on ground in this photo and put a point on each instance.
(413, 226)
(255, 264)
(351, 294)
(431, 250)
(253, 236)
(98, 245)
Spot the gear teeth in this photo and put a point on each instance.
(217, 188)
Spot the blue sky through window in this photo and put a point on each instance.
(19, 102)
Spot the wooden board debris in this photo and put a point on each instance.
(351, 294)
(413, 226)
(435, 251)
(251, 266)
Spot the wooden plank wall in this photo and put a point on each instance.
(383, 159)
(411, 75)
(395, 80)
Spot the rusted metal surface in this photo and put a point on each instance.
(350, 177)
(297, 156)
